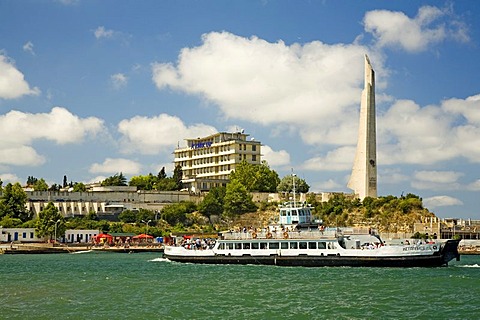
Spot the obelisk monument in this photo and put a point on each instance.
(363, 180)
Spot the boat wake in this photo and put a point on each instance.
(470, 266)
(85, 251)
(160, 260)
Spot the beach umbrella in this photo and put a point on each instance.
(143, 236)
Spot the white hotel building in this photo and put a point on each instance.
(207, 162)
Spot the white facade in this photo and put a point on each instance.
(80, 236)
(207, 162)
(363, 180)
(18, 234)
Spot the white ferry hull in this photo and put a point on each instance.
(339, 258)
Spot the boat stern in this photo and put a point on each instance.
(449, 250)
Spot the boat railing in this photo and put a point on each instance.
(279, 235)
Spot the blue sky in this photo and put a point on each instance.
(92, 88)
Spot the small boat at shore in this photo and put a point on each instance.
(302, 242)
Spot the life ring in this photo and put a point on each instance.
(254, 235)
(269, 235)
(285, 235)
(434, 247)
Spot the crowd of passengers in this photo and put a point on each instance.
(198, 244)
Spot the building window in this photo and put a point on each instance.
(254, 148)
(254, 157)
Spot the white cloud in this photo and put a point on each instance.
(326, 186)
(436, 180)
(275, 158)
(19, 130)
(392, 176)
(315, 86)
(113, 166)
(474, 186)
(336, 160)
(9, 178)
(28, 47)
(395, 29)
(118, 80)
(12, 82)
(101, 32)
(441, 201)
(97, 179)
(435, 133)
(158, 134)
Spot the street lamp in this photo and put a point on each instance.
(55, 228)
(146, 222)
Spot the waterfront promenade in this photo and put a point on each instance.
(50, 248)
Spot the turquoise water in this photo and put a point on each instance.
(146, 286)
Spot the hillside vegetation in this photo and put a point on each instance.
(386, 214)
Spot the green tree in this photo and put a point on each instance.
(40, 185)
(1, 183)
(54, 187)
(12, 202)
(50, 222)
(31, 180)
(167, 184)
(286, 184)
(177, 177)
(117, 179)
(267, 179)
(237, 199)
(213, 202)
(161, 174)
(128, 216)
(255, 177)
(143, 182)
(79, 187)
(65, 183)
(176, 213)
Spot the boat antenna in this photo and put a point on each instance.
(293, 178)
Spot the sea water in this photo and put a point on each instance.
(146, 286)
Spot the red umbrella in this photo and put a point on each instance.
(105, 236)
(143, 236)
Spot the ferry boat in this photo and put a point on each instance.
(297, 240)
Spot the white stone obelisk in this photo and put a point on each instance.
(363, 180)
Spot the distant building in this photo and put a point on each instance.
(207, 162)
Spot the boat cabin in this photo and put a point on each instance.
(295, 213)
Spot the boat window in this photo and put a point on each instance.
(263, 245)
(238, 246)
(229, 246)
(221, 246)
(284, 245)
(255, 245)
(293, 245)
(294, 213)
(246, 245)
(312, 245)
(331, 245)
(274, 245)
(302, 245)
(322, 245)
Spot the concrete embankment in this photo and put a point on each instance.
(46, 248)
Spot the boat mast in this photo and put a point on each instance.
(293, 178)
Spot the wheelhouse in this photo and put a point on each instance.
(293, 213)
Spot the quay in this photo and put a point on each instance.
(50, 248)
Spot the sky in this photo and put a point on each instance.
(91, 88)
